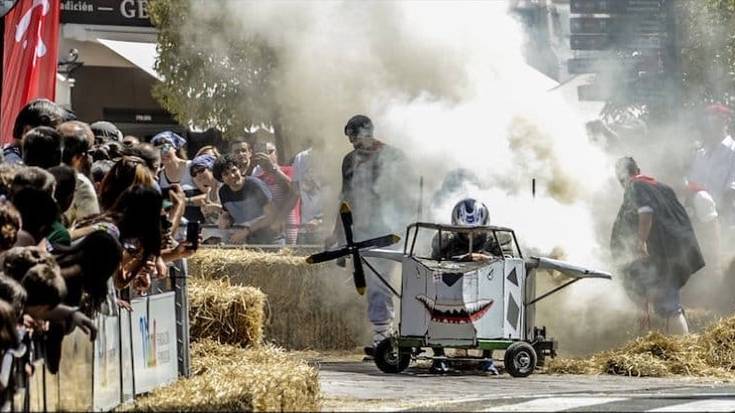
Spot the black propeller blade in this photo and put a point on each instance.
(353, 248)
(327, 256)
(379, 242)
(359, 274)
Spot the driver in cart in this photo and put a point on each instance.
(456, 246)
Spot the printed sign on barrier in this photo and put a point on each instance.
(154, 341)
(106, 384)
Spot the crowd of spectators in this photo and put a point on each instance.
(89, 217)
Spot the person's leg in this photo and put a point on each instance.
(488, 365)
(667, 305)
(439, 366)
(380, 301)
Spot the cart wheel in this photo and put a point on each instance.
(520, 359)
(390, 359)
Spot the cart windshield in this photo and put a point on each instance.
(452, 243)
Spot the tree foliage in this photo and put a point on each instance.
(214, 74)
(707, 45)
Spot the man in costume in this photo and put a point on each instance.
(654, 245)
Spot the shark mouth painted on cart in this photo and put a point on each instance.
(455, 313)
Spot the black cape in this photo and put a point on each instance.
(672, 245)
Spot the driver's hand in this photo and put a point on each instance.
(479, 257)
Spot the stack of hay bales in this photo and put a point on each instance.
(310, 306)
(710, 354)
(226, 313)
(231, 368)
(231, 378)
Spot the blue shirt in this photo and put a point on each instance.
(247, 204)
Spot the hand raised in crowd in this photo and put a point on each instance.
(265, 162)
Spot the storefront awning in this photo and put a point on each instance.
(142, 55)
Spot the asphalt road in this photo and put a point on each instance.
(351, 386)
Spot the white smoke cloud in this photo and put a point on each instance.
(447, 83)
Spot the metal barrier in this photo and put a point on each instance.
(134, 353)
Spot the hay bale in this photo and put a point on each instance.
(231, 378)
(311, 306)
(226, 313)
(718, 344)
(657, 355)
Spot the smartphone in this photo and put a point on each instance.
(193, 230)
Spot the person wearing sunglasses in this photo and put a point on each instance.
(173, 159)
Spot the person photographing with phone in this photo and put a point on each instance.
(284, 195)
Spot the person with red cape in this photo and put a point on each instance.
(654, 245)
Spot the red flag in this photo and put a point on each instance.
(31, 52)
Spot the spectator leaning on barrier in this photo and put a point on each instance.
(174, 178)
(77, 139)
(32, 193)
(247, 202)
(38, 112)
(128, 171)
(284, 196)
(206, 205)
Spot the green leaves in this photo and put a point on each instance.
(707, 46)
(214, 75)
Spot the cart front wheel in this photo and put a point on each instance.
(520, 359)
(390, 359)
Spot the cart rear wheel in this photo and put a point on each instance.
(390, 359)
(520, 359)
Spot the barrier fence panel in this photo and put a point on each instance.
(155, 362)
(134, 352)
(76, 372)
(126, 359)
(106, 386)
(179, 276)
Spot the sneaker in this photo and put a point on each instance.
(369, 353)
(488, 366)
(439, 367)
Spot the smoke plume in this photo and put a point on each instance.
(447, 84)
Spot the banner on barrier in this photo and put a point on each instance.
(106, 385)
(154, 341)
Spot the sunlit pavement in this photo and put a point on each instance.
(351, 386)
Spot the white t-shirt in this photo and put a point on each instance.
(714, 169)
(309, 186)
(186, 182)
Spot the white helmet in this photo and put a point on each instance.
(470, 212)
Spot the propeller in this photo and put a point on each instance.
(352, 248)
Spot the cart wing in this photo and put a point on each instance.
(392, 255)
(571, 270)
